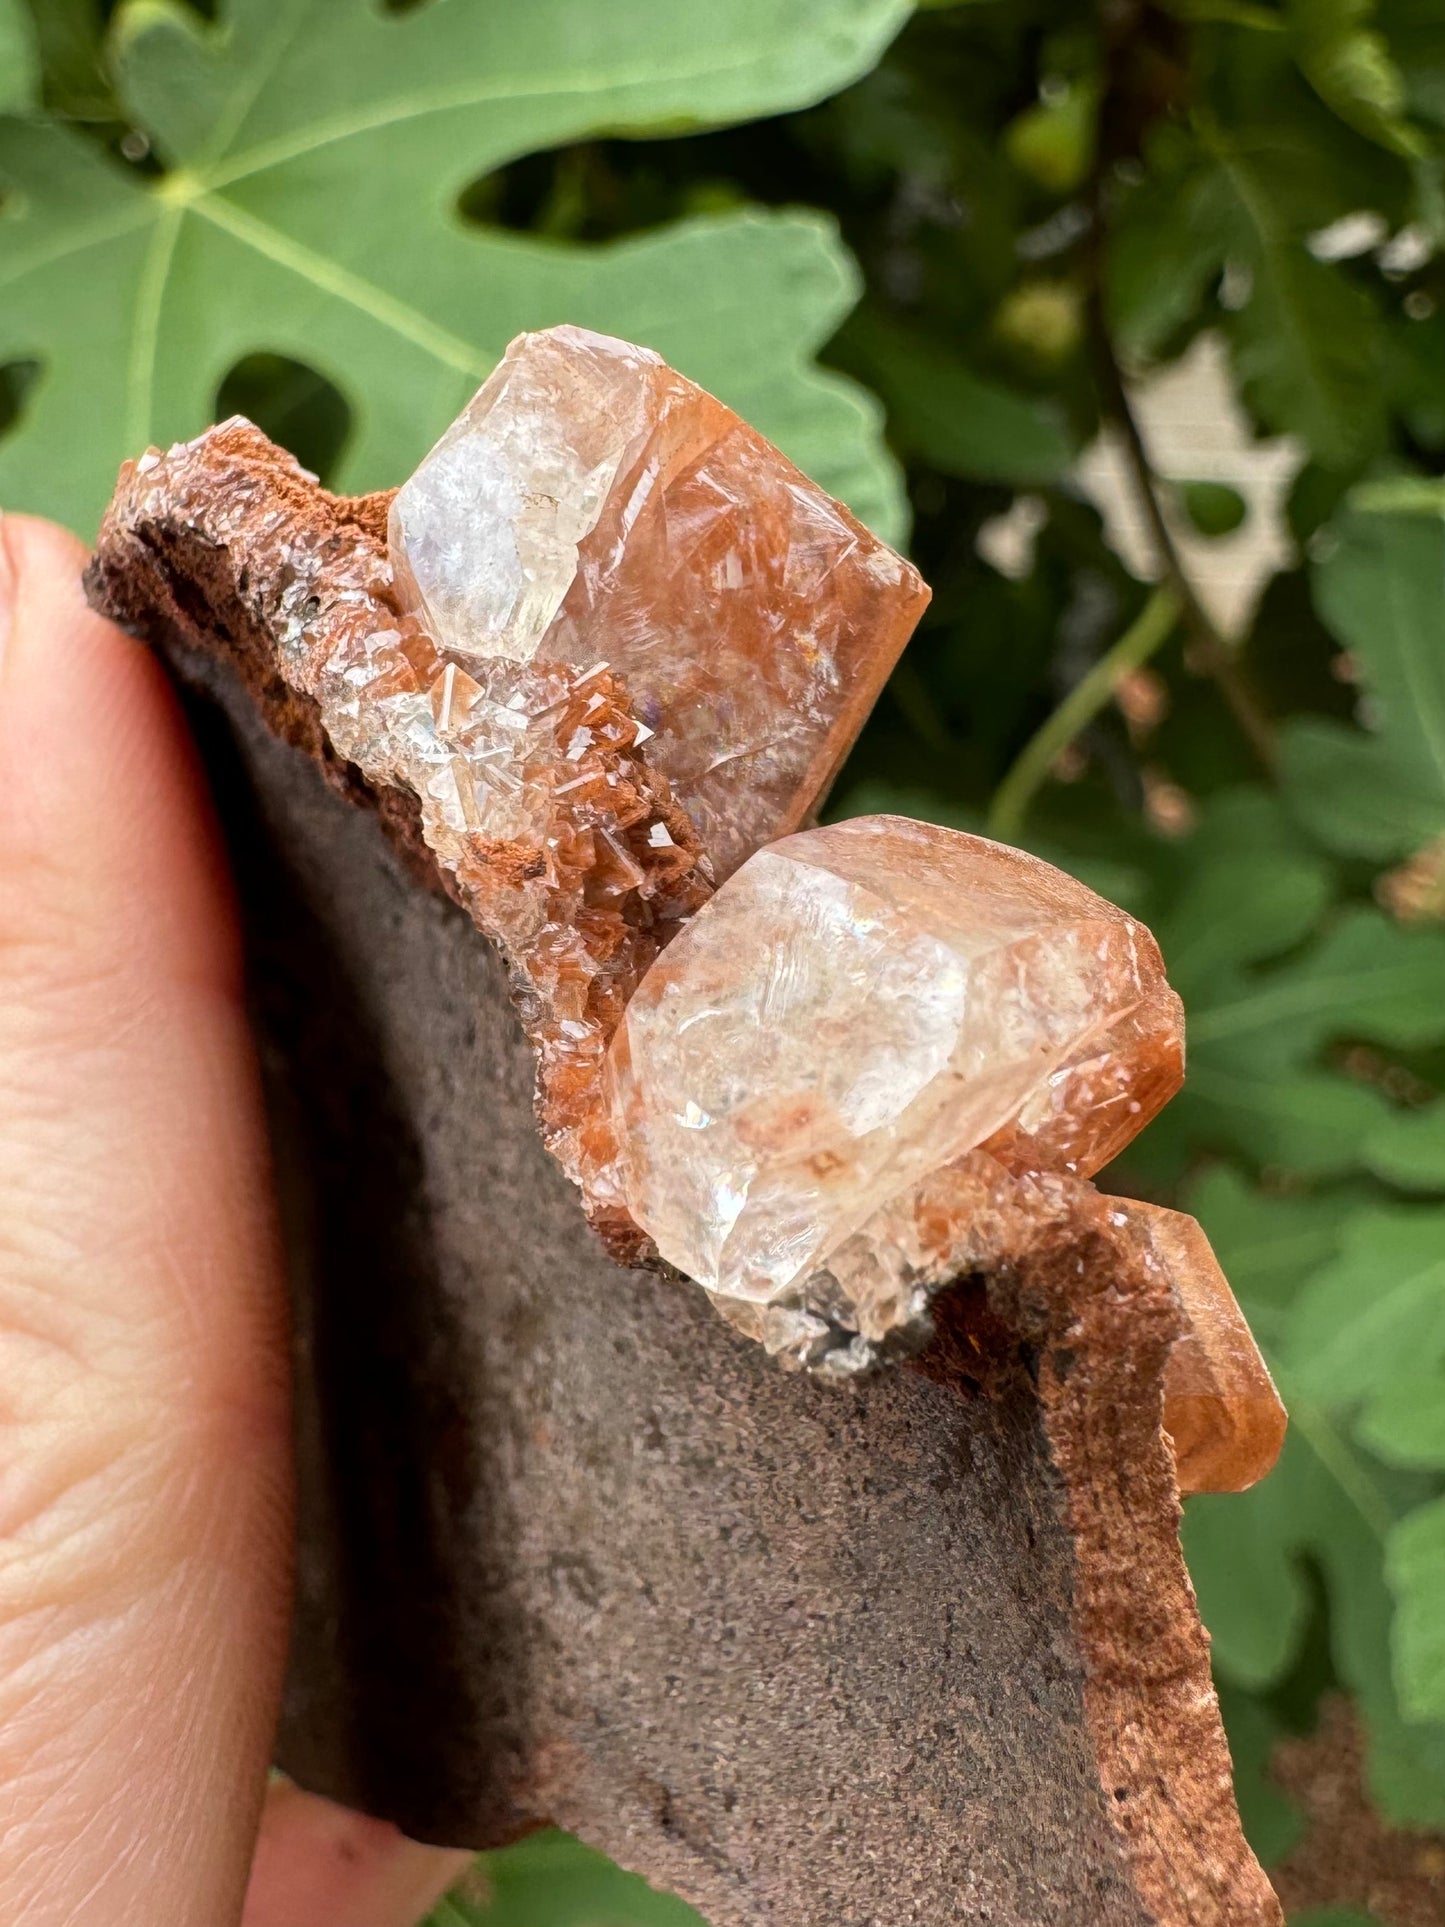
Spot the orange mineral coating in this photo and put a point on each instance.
(1220, 1405)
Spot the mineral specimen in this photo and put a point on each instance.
(910, 1047)
(601, 580)
(859, 1007)
(986, 1547)
(592, 505)
(886, 1054)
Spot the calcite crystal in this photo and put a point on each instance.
(591, 504)
(885, 1055)
(858, 1007)
(1221, 1408)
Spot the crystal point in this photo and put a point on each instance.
(592, 502)
(1221, 1408)
(858, 1007)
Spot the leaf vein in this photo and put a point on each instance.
(397, 316)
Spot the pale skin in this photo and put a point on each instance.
(145, 1456)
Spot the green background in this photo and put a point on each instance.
(926, 252)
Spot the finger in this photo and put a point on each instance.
(320, 1865)
(144, 1435)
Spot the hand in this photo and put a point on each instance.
(145, 1456)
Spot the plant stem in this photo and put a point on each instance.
(1211, 652)
(1149, 629)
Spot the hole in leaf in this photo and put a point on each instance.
(517, 197)
(291, 403)
(402, 6)
(17, 378)
(1214, 508)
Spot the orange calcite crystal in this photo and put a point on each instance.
(1220, 1405)
(857, 1008)
(590, 504)
(886, 1054)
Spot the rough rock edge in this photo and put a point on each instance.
(289, 574)
(1099, 1322)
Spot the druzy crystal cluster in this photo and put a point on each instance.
(639, 643)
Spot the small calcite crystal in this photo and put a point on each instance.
(858, 1008)
(1221, 1408)
(590, 504)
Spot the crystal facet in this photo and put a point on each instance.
(858, 1007)
(591, 504)
(1221, 1408)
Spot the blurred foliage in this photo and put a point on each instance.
(1049, 202)
(226, 224)
(551, 1880)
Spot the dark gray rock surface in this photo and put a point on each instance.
(572, 1550)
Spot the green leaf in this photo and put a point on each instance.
(1269, 984)
(1348, 63)
(19, 58)
(1366, 978)
(552, 1880)
(1306, 344)
(1407, 1148)
(1309, 1123)
(138, 296)
(955, 419)
(1256, 1080)
(1379, 793)
(1333, 1917)
(1404, 1423)
(1214, 508)
(1166, 246)
(1415, 1563)
(1417, 34)
(1252, 1593)
(1304, 1267)
(1377, 1314)
(1323, 1503)
(1272, 1824)
(1247, 888)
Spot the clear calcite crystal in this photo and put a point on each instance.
(1221, 1408)
(857, 1008)
(592, 505)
